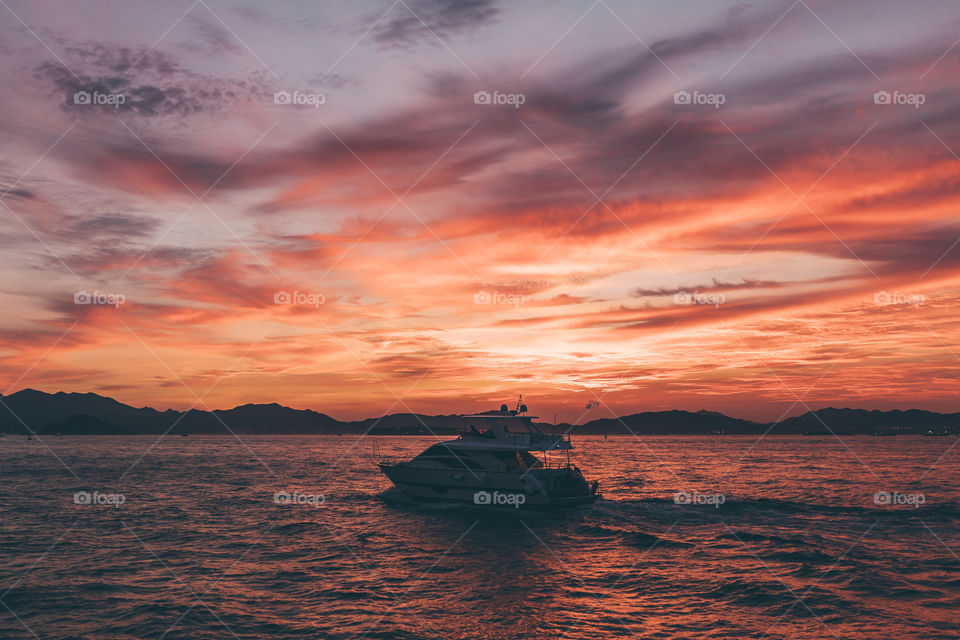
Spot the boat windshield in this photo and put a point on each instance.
(517, 459)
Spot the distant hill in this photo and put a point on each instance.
(88, 413)
(862, 421)
(675, 421)
(92, 413)
(252, 418)
(81, 424)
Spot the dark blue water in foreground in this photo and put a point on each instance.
(799, 547)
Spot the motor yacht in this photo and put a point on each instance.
(500, 459)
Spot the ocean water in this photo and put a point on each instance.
(791, 537)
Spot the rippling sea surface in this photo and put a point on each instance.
(796, 547)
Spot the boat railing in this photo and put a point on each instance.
(380, 458)
(560, 441)
(550, 464)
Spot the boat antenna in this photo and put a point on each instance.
(519, 403)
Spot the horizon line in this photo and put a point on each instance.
(613, 417)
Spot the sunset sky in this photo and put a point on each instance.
(778, 236)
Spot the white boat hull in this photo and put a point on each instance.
(537, 488)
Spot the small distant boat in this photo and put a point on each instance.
(493, 466)
(184, 434)
(938, 432)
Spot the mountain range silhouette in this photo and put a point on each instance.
(32, 411)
